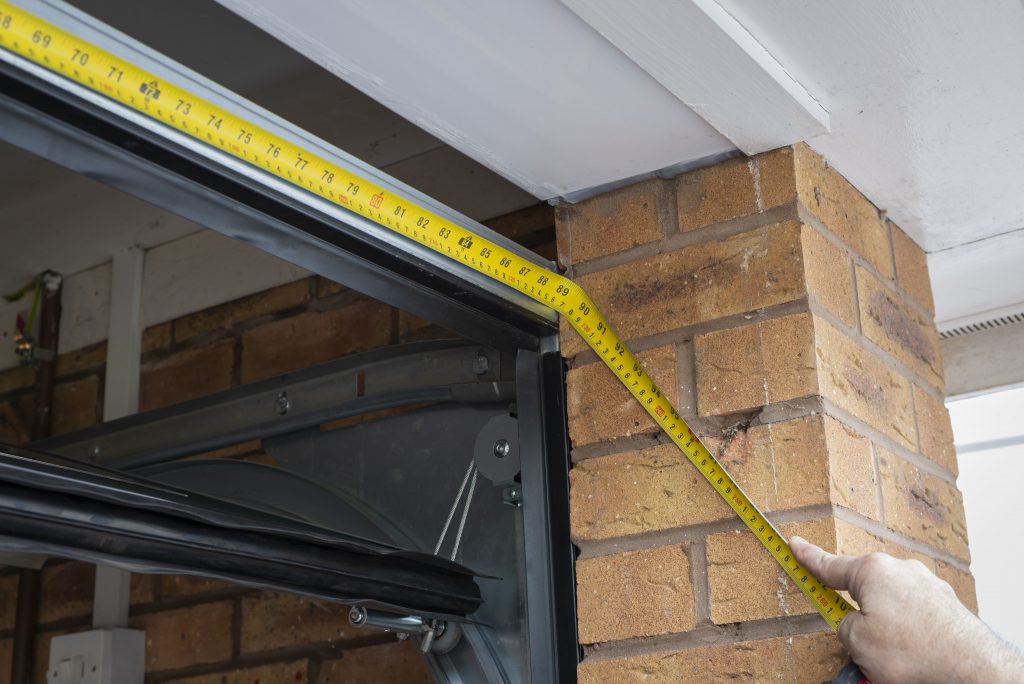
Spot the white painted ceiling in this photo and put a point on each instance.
(924, 98)
(56, 219)
(923, 102)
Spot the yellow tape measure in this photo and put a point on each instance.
(76, 59)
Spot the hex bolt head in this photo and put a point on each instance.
(502, 448)
(481, 365)
(356, 616)
(284, 404)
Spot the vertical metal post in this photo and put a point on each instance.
(27, 612)
(112, 596)
(550, 558)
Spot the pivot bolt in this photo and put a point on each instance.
(284, 404)
(502, 448)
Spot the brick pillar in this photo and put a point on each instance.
(792, 323)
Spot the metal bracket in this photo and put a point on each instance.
(436, 636)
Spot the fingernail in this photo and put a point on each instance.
(797, 540)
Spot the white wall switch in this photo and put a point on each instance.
(99, 656)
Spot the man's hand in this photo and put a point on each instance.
(911, 627)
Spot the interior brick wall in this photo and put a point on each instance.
(793, 324)
(201, 631)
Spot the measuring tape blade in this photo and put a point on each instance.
(63, 53)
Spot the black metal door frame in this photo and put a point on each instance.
(62, 122)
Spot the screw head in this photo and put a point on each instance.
(284, 404)
(356, 616)
(502, 448)
(481, 365)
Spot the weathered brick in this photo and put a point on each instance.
(325, 287)
(613, 221)
(225, 315)
(17, 378)
(828, 274)
(42, 656)
(314, 337)
(186, 375)
(899, 329)
(186, 636)
(75, 405)
(275, 673)
(601, 408)
(528, 227)
(802, 462)
(66, 590)
(157, 337)
(776, 172)
(721, 192)
(912, 268)
(6, 652)
(852, 482)
(640, 491)
(143, 589)
(962, 583)
(398, 663)
(14, 423)
(177, 586)
(922, 506)
(858, 382)
(743, 368)
(803, 659)
(92, 357)
(699, 282)
(935, 430)
(852, 540)
(816, 657)
(8, 599)
(746, 583)
(842, 208)
(271, 621)
(640, 593)
(415, 329)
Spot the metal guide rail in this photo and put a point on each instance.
(162, 101)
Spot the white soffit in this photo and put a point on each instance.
(526, 87)
(704, 57)
(979, 281)
(926, 101)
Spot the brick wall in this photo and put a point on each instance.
(792, 322)
(202, 631)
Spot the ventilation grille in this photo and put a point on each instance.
(997, 322)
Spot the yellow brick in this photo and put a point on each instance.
(898, 328)
(860, 383)
(743, 368)
(935, 430)
(745, 581)
(912, 268)
(922, 506)
(842, 208)
(828, 274)
(636, 594)
(601, 408)
(272, 621)
(613, 221)
(699, 283)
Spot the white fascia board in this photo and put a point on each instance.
(704, 57)
(983, 362)
(978, 281)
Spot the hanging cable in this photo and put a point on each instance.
(465, 513)
(455, 506)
